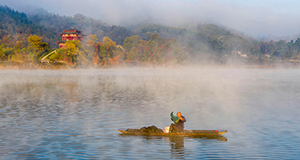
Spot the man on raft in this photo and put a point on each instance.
(178, 125)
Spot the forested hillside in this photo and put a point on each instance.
(56, 24)
(206, 40)
(209, 41)
(31, 39)
(15, 26)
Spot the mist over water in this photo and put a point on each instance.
(76, 113)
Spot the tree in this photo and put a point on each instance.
(107, 50)
(2, 54)
(131, 42)
(133, 55)
(73, 53)
(18, 45)
(297, 45)
(110, 46)
(289, 49)
(91, 39)
(155, 37)
(176, 51)
(37, 43)
(71, 48)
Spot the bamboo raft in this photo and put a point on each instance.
(185, 133)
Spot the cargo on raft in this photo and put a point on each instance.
(154, 131)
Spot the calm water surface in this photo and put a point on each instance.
(75, 114)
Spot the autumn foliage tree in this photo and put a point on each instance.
(37, 43)
(40, 47)
(106, 53)
(74, 53)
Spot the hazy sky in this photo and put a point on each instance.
(256, 18)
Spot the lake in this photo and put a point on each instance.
(75, 114)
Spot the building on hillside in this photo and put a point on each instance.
(70, 35)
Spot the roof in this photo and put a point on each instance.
(68, 33)
(73, 29)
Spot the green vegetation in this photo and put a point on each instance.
(56, 24)
(32, 40)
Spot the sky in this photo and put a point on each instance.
(255, 18)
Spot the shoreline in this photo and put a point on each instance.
(50, 66)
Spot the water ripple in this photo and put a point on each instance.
(75, 115)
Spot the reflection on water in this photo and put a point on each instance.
(75, 114)
(176, 143)
(177, 147)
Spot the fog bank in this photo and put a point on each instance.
(255, 18)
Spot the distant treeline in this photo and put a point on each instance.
(28, 39)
